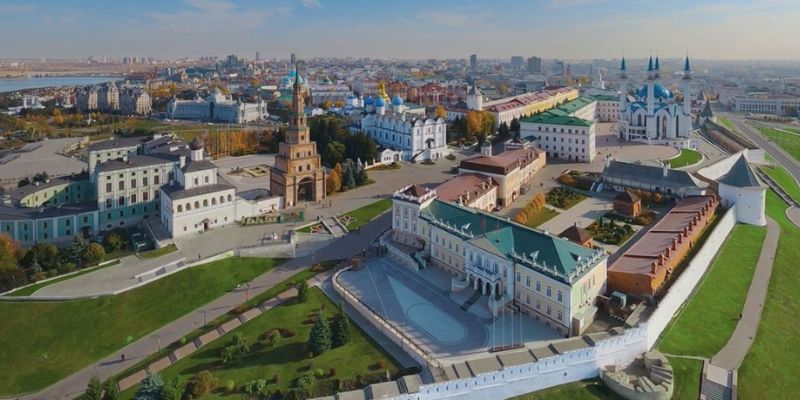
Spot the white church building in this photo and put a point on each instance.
(654, 116)
(412, 136)
(217, 107)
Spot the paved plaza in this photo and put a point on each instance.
(419, 305)
(38, 157)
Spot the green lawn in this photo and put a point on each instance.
(784, 179)
(687, 375)
(725, 122)
(584, 390)
(704, 325)
(771, 370)
(564, 198)
(289, 358)
(54, 339)
(29, 290)
(171, 248)
(787, 141)
(362, 216)
(541, 216)
(686, 157)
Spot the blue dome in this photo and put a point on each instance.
(369, 101)
(379, 102)
(660, 92)
(397, 101)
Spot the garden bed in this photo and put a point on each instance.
(605, 230)
(564, 198)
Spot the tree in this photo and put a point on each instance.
(114, 241)
(515, 127)
(94, 254)
(151, 388)
(233, 352)
(474, 124)
(333, 183)
(94, 390)
(334, 153)
(441, 112)
(302, 291)
(58, 119)
(326, 104)
(361, 176)
(201, 384)
(174, 389)
(350, 176)
(319, 340)
(110, 390)
(503, 131)
(9, 249)
(340, 330)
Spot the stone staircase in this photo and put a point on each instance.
(714, 391)
(334, 227)
(472, 300)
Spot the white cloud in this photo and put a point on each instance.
(311, 4)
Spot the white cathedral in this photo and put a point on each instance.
(654, 116)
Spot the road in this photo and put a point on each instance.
(780, 156)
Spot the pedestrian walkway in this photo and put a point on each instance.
(719, 374)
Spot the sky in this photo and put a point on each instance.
(420, 29)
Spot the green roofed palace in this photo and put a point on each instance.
(546, 277)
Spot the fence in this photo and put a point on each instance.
(384, 326)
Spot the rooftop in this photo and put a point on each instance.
(119, 143)
(177, 192)
(740, 175)
(558, 257)
(135, 162)
(564, 114)
(501, 163)
(651, 174)
(474, 184)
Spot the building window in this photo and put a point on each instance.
(560, 316)
(146, 196)
(549, 311)
(108, 187)
(528, 299)
(538, 286)
(133, 183)
(156, 179)
(538, 304)
(549, 291)
(560, 296)
(144, 181)
(108, 203)
(519, 276)
(528, 281)
(133, 198)
(121, 185)
(121, 201)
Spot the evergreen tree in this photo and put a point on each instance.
(110, 390)
(361, 177)
(515, 127)
(235, 350)
(350, 176)
(340, 330)
(319, 340)
(302, 291)
(503, 131)
(94, 390)
(151, 388)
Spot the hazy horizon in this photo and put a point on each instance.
(739, 30)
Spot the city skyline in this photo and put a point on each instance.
(570, 29)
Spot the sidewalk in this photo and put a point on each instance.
(732, 355)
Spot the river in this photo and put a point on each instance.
(13, 84)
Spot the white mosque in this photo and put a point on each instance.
(654, 116)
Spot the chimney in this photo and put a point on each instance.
(665, 168)
(653, 267)
(182, 162)
(661, 259)
(675, 243)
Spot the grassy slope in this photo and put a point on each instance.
(704, 325)
(686, 157)
(787, 141)
(541, 216)
(583, 390)
(365, 214)
(771, 370)
(725, 122)
(54, 339)
(289, 358)
(784, 179)
(687, 378)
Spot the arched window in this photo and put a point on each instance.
(180, 208)
(213, 201)
(196, 204)
(205, 202)
(188, 206)
(230, 198)
(640, 120)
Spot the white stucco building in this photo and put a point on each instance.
(217, 107)
(566, 132)
(197, 201)
(654, 115)
(417, 137)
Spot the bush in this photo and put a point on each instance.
(382, 364)
(241, 308)
(254, 387)
(327, 387)
(201, 384)
(319, 373)
(305, 382)
(52, 272)
(275, 378)
(230, 386)
(286, 333)
(332, 372)
(451, 157)
(346, 385)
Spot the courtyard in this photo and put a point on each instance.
(445, 324)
